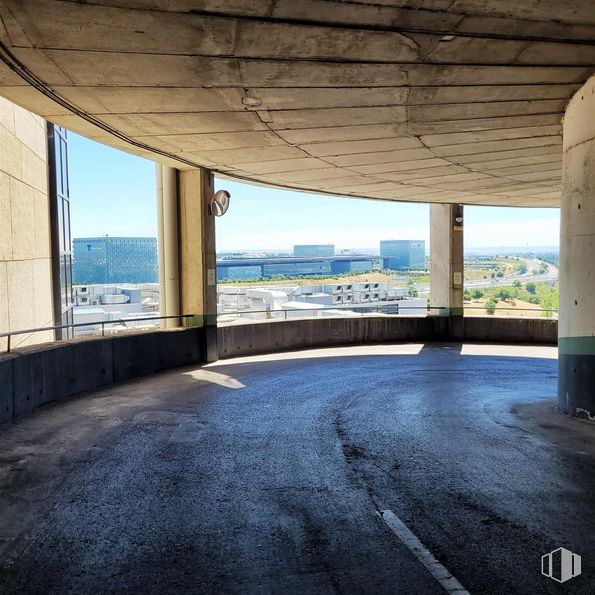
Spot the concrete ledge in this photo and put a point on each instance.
(510, 330)
(6, 384)
(34, 376)
(245, 339)
(282, 335)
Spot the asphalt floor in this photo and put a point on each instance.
(271, 474)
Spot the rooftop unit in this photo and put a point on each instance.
(107, 298)
(325, 299)
(360, 297)
(333, 289)
(306, 289)
(231, 290)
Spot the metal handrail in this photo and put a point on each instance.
(377, 308)
(56, 327)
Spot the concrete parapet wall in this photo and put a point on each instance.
(38, 375)
(510, 330)
(34, 376)
(263, 337)
(266, 337)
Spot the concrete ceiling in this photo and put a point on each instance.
(418, 100)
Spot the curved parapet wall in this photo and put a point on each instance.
(576, 378)
(266, 337)
(35, 376)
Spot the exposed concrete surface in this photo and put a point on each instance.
(510, 330)
(412, 100)
(35, 376)
(265, 474)
(447, 261)
(577, 251)
(274, 336)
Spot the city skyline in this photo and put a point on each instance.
(123, 204)
(289, 250)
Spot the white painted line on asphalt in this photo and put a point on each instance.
(421, 552)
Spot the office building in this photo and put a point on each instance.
(251, 268)
(115, 260)
(306, 250)
(403, 254)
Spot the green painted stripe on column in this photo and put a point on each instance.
(576, 345)
(437, 311)
(201, 320)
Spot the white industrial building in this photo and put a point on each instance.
(102, 305)
(238, 303)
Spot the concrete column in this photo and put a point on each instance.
(198, 289)
(576, 326)
(446, 264)
(167, 219)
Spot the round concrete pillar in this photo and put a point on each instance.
(576, 331)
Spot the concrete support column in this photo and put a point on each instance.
(576, 327)
(446, 264)
(198, 284)
(167, 219)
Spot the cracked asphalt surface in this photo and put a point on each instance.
(265, 475)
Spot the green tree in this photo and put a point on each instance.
(504, 294)
(491, 306)
(477, 294)
(522, 269)
(531, 287)
(547, 304)
(499, 274)
(517, 284)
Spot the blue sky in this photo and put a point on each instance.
(113, 193)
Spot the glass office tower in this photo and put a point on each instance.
(106, 260)
(403, 254)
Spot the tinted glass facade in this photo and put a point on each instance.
(403, 254)
(300, 268)
(60, 216)
(314, 250)
(239, 272)
(355, 266)
(265, 267)
(115, 260)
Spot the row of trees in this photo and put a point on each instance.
(534, 293)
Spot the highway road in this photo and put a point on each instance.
(310, 472)
(550, 276)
